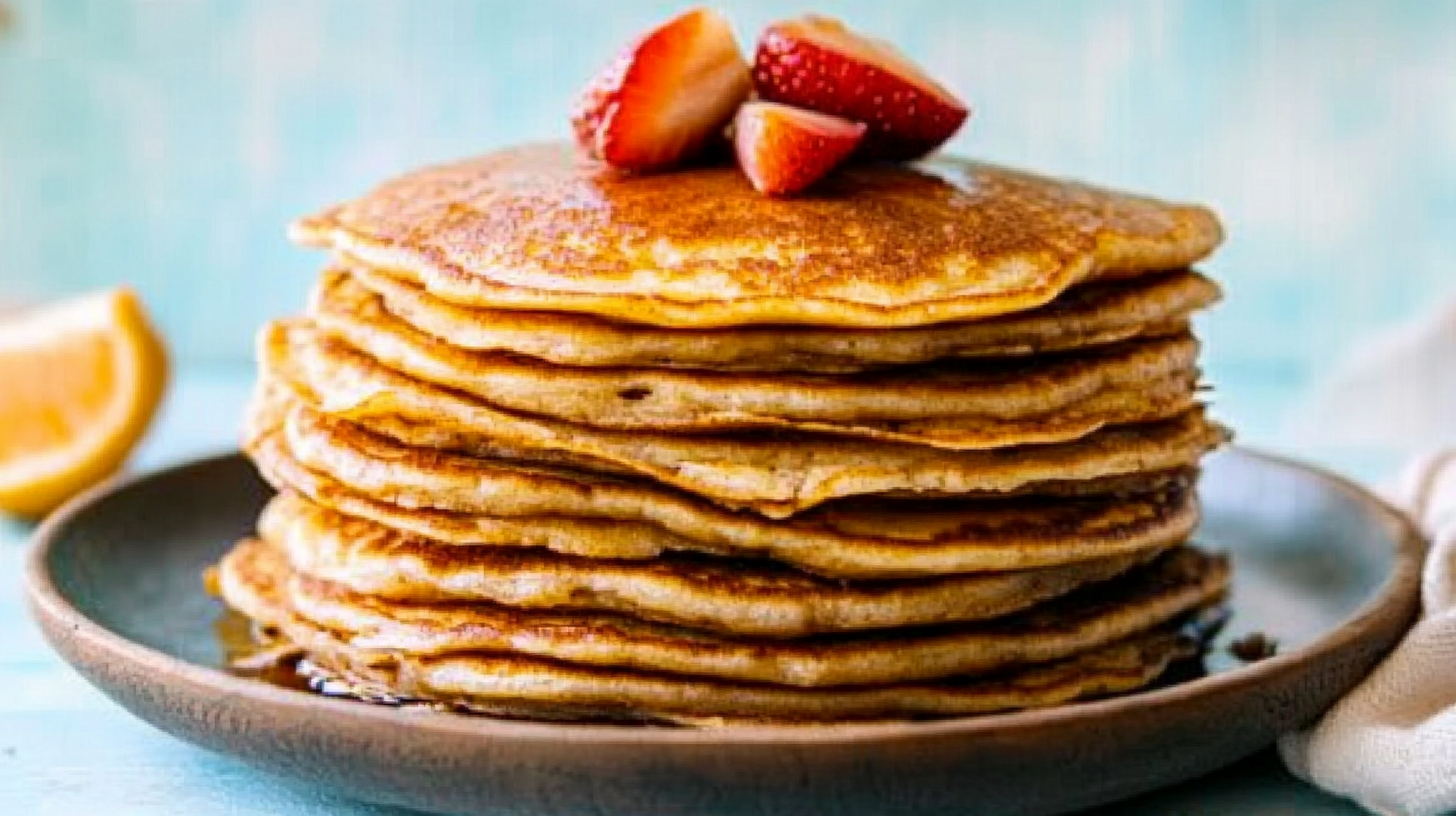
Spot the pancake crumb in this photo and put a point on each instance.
(1253, 647)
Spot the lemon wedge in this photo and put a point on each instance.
(79, 383)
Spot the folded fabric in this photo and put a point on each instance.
(1391, 743)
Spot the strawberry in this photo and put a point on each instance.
(784, 149)
(665, 96)
(817, 63)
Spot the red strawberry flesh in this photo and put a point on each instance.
(817, 63)
(783, 149)
(665, 96)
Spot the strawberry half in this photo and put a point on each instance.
(817, 63)
(664, 96)
(783, 150)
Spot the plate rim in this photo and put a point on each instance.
(1396, 597)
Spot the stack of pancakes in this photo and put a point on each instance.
(557, 442)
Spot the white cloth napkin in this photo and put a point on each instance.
(1395, 392)
(1391, 743)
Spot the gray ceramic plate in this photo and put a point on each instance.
(1322, 566)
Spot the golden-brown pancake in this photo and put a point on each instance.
(774, 475)
(758, 598)
(876, 246)
(518, 682)
(954, 406)
(513, 686)
(600, 517)
(273, 402)
(1086, 316)
(1175, 584)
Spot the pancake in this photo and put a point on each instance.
(1177, 583)
(956, 406)
(758, 598)
(876, 246)
(519, 685)
(274, 402)
(1087, 316)
(776, 476)
(532, 688)
(468, 500)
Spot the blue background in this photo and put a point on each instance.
(166, 143)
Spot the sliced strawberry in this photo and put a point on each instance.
(664, 96)
(817, 63)
(784, 149)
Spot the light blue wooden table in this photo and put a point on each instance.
(67, 751)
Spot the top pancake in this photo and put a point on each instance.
(540, 228)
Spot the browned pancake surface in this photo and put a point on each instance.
(538, 227)
(960, 405)
(468, 500)
(1086, 316)
(775, 475)
(256, 580)
(759, 598)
